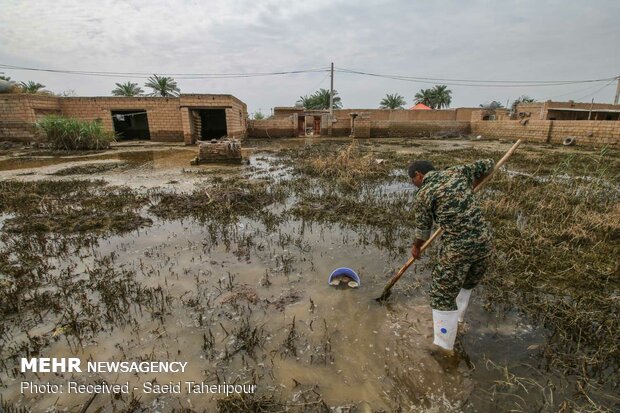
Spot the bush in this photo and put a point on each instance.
(72, 134)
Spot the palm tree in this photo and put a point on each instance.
(442, 96)
(426, 97)
(319, 100)
(127, 89)
(439, 96)
(394, 101)
(162, 86)
(31, 87)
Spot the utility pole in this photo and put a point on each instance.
(617, 92)
(331, 94)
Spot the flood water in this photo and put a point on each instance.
(304, 340)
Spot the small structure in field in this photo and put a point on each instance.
(223, 150)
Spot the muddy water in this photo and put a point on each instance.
(340, 343)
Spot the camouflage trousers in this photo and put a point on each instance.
(450, 275)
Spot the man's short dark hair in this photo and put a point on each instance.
(420, 166)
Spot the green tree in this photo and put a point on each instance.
(259, 115)
(437, 97)
(319, 100)
(162, 86)
(426, 97)
(7, 78)
(442, 96)
(394, 101)
(31, 87)
(127, 89)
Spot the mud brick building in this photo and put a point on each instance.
(192, 117)
(361, 123)
(186, 118)
(591, 124)
(545, 122)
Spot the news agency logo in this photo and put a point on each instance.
(51, 365)
(74, 364)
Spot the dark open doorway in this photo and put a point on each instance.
(131, 124)
(212, 123)
(301, 125)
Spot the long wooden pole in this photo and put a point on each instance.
(436, 234)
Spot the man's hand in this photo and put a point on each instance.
(416, 249)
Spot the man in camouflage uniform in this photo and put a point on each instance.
(447, 198)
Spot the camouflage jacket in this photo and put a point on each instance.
(447, 197)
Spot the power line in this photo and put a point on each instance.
(478, 83)
(573, 92)
(597, 90)
(176, 75)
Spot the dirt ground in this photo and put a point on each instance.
(133, 254)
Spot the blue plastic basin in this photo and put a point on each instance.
(339, 272)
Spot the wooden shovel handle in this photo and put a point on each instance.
(439, 231)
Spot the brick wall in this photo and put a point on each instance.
(236, 111)
(283, 127)
(19, 112)
(401, 114)
(533, 130)
(384, 129)
(163, 114)
(167, 119)
(588, 133)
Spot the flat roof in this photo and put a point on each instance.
(587, 110)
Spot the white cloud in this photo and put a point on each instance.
(474, 39)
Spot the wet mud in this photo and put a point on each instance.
(133, 254)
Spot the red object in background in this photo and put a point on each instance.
(420, 106)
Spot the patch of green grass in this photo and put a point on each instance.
(75, 134)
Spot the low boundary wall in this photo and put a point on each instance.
(588, 133)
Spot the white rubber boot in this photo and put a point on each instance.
(462, 302)
(445, 324)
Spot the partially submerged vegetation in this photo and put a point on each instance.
(557, 235)
(70, 207)
(556, 220)
(90, 169)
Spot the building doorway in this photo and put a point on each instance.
(301, 125)
(317, 126)
(210, 124)
(131, 124)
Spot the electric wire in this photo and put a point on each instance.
(596, 91)
(142, 75)
(572, 92)
(478, 83)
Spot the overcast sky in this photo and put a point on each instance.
(487, 40)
